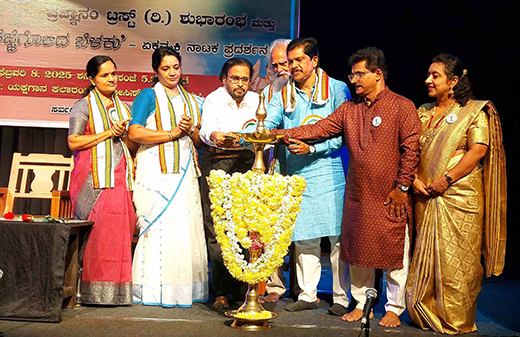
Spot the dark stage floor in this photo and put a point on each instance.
(498, 315)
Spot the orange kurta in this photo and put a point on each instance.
(382, 140)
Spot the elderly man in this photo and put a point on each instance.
(279, 66)
(229, 108)
(310, 95)
(381, 130)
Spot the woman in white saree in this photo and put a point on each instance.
(170, 262)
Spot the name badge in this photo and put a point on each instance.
(113, 115)
(377, 121)
(451, 118)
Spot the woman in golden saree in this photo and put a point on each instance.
(460, 202)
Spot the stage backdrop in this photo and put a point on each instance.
(45, 45)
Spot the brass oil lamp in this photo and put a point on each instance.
(260, 138)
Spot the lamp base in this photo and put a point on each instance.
(251, 307)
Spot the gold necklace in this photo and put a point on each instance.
(430, 132)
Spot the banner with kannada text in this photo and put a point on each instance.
(45, 45)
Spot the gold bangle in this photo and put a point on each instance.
(170, 134)
(95, 136)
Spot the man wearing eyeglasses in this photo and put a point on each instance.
(381, 130)
(310, 95)
(229, 108)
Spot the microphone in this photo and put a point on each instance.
(371, 294)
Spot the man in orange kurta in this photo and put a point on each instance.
(381, 130)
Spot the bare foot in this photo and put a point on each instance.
(271, 298)
(390, 320)
(221, 303)
(355, 315)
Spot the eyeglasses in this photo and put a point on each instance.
(358, 74)
(235, 79)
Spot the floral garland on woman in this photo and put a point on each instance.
(249, 203)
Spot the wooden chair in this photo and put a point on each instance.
(32, 177)
(3, 198)
(46, 176)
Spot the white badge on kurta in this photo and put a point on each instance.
(377, 121)
(451, 118)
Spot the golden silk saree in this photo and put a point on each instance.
(454, 229)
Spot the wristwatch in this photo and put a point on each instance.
(312, 150)
(403, 188)
(449, 179)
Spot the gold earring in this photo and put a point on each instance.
(451, 92)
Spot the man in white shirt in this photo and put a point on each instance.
(229, 108)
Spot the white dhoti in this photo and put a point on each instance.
(308, 270)
(363, 278)
(275, 283)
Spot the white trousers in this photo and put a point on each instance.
(308, 270)
(275, 284)
(363, 278)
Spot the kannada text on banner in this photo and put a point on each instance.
(44, 47)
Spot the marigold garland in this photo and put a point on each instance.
(254, 315)
(254, 202)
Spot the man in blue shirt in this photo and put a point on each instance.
(309, 96)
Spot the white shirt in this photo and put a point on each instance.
(221, 113)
